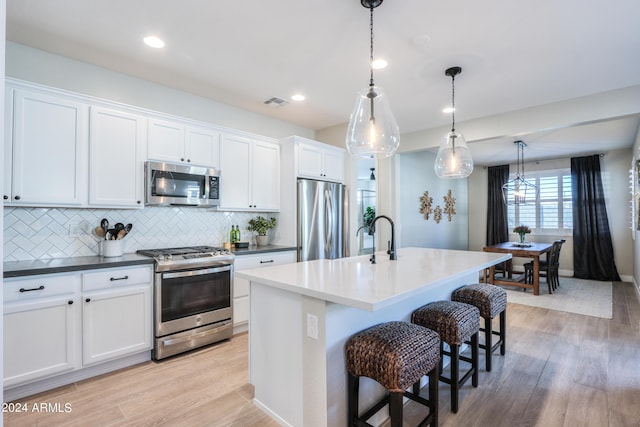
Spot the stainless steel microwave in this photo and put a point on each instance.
(176, 184)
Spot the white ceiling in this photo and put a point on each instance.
(514, 55)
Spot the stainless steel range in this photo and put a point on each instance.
(192, 298)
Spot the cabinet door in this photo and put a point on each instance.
(203, 147)
(40, 339)
(265, 178)
(50, 143)
(235, 173)
(333, 165)
(8, 144)
(116, 323)
(309, 161)
(116, 158)
(241, 298)
(165, 141)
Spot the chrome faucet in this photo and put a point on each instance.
(391, 246)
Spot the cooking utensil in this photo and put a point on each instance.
(121, 234)
(119, 226)
(99, 231)
(105, 226)
(127, 228)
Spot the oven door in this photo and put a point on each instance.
(191, 298)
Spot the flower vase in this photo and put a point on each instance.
(521, 237)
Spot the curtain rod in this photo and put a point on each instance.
(548, 160)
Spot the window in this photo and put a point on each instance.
(553, 210)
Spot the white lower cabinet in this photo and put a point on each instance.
(105, 335)
(59, 323)
(241, 297)
(40, 330)
(116, 313)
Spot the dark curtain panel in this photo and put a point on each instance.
(497, 226)
(592, 246)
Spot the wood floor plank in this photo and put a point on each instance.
(561, 369)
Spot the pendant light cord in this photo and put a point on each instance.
(371, 46)
(453, 103)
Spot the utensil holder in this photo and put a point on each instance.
(111, 248)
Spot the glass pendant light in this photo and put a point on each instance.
(372, 131)
(519, 191)
(454, 158)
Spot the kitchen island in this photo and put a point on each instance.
(302, 314)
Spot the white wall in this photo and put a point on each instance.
(615, 167)
(615, 177)
(203, 226)
(3, 8)
(48, 69)
(635, 155)
(415, 176)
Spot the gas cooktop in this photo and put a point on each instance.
(187, 257)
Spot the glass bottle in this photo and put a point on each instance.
(232, 235)
(237, 233)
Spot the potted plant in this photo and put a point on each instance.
(261, 225)
(368, 217)
(522, 231)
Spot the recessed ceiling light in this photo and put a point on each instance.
(379, 64)
(448, 110)
(298, 97)
(154, 42)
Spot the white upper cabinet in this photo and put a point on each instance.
(175, 142)
(265, 176)
(49, 150)
(316, 160)
(8, 144)
(116, 158)
(202, 146)
(249, 174)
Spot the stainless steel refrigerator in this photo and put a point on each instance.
(322, 220)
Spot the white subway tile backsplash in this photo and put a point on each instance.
(42, 233)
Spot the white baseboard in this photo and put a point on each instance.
(24, 390)
(272, 414)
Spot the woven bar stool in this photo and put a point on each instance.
(456, 323)
(491, 300)
(396, 355)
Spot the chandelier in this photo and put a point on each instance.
(519, 191)
(372, 131)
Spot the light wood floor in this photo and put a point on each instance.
(560, 369)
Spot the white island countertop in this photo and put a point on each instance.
(355, 282)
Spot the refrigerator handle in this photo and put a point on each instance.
(328, 243)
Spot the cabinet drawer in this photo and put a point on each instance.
(41, 286)
(115, 277)
(267, 259)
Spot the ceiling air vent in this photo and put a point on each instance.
(276, 102)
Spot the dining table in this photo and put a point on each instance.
(525, 250)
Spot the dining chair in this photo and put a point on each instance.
(548, 269)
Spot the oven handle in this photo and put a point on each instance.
(190, 337)
(198, 272)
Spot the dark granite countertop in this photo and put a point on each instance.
(62, 265)
(252, 250)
